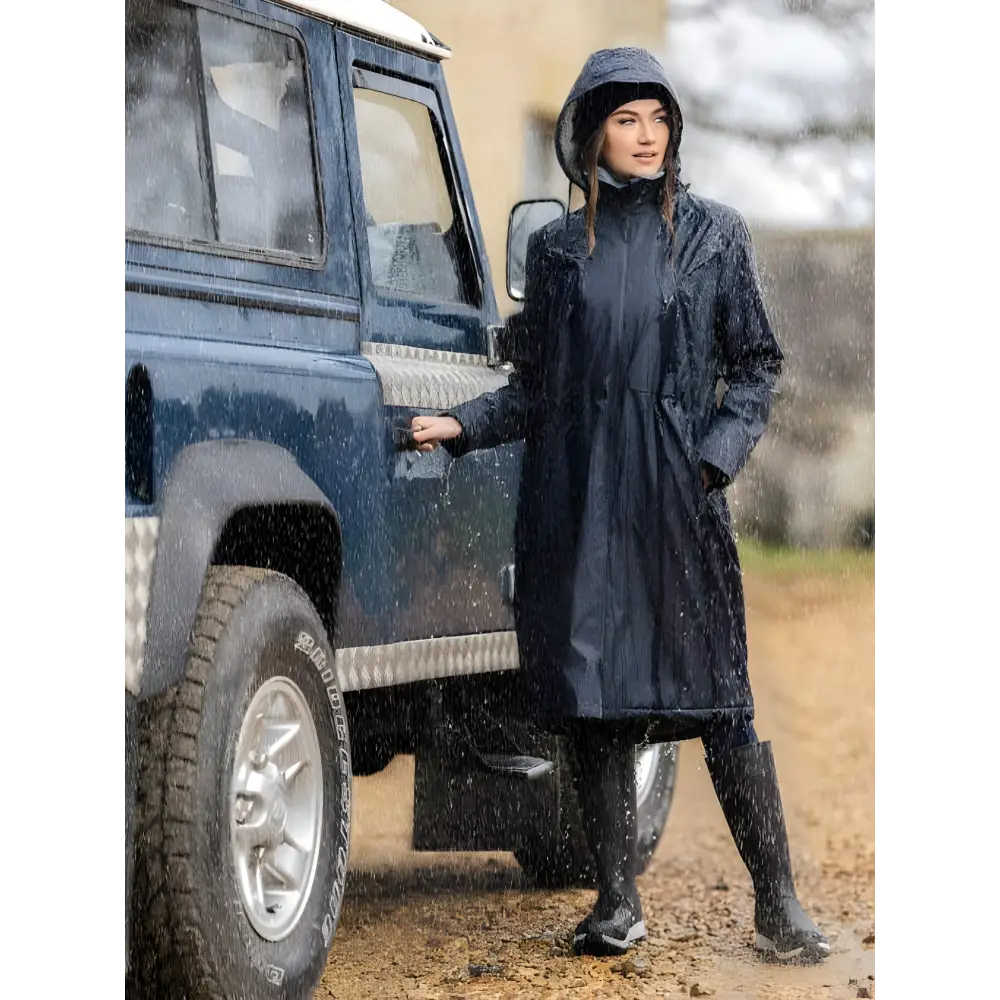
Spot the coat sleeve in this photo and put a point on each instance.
(499, 417)
(752, 360)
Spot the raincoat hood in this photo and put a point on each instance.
(620, 66)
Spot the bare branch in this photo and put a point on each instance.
(860, 127)
(839, 16)
(851, 131)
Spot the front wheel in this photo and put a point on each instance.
(557, 856)
(244, 802)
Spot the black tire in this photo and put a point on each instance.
(191, 934)
(556, 855)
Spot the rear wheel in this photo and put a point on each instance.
(556, 855)
(244, 785)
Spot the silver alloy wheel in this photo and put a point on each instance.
(276, 807)
(646, 762)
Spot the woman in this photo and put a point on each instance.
(630, 611)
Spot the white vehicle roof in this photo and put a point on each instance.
(377, 18)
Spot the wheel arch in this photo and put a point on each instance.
(234, 502)
(298, 539)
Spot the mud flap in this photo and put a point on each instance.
(460, 806)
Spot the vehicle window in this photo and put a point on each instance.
(165, 183)
(258, 122)
(217, 133)
(414, 242)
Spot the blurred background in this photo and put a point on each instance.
(779, 105)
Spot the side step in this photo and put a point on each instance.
(515, 765)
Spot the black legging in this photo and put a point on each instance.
(728, 733)
(604, 775)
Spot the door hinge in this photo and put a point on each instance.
(507, 584)
(494, 355)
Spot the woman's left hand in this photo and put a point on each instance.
(713, 478)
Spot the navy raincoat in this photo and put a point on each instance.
(629, 602)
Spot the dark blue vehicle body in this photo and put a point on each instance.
(227, 344)
(239, 346)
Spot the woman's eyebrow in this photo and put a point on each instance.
(635, 114)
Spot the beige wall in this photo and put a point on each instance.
(512, 59)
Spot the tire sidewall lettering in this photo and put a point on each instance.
(312, 649)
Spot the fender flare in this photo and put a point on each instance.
(208, 486)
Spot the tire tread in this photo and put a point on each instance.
(168, 945)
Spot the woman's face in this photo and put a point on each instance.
(635, 139)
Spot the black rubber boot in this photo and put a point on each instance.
(605, 783)
(747, 786)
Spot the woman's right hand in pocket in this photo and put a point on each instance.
(428, 431)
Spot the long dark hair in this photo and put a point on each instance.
(590, 159)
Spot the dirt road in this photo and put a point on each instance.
(433, 926)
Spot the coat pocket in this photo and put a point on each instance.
(669, 406)
(682, 428)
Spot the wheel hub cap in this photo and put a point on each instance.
(645, 770)
(276, 807)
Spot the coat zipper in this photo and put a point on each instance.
(612, 386)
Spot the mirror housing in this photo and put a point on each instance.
(525, 218)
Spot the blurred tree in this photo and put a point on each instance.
(779, 100)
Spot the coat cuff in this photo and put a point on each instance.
(723, 451)
(456, 447)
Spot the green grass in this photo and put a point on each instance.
(781, 561)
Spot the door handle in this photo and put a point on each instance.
(403, 439)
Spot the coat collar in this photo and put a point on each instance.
(699, 238)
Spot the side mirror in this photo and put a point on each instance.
(525, 218)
